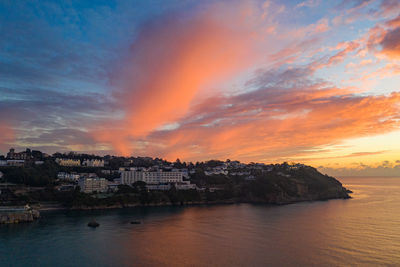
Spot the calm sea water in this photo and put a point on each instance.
(363, 231)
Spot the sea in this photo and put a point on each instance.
(362, 231)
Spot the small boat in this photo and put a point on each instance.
(136, 222)
(93, 224)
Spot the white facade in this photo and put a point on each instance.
(159, 177)
(157, 180)
(68, 176)
(15, 162)
(90, 185)
(185, 185)
(216, 171)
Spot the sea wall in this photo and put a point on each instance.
(18, 217)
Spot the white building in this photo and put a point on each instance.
(158, 177)
(16, 162)
(68, 176)
(216, 171)
(157, 180)
(3, 162)
(93, 163)
(185, 185)
(90, 185)
(68, 162)
(113, 186)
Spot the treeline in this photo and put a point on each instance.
(35, 175)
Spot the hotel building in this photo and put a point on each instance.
(90, 185)
(155, 177)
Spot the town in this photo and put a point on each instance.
(77, 180)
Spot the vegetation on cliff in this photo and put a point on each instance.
(279, 185)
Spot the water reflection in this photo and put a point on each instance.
(364, 230)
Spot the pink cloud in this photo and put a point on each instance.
(388, 8)
(391, 43)
(271, 123)
(384, 39)
(285, 114)
(175, 60)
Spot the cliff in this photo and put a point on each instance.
(272, 184)
(303, 184)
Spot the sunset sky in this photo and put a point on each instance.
(310, 81)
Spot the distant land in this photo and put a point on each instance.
(83, 181)
(366, 171)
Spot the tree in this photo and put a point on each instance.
(178, 164)
(140, 186)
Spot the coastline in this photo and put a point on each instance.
(43, 207)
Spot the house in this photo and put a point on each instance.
(68, 162)
(12, 155)
(93, 163)
(91, 185)
(16, 162)
(68, 176)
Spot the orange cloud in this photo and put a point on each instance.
(386, 37)
(380, 169)
(394, 22)
(170, 61)
(267, 124)
(285, 114)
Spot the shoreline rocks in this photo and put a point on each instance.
(19, 217)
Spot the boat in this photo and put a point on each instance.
(136, 222)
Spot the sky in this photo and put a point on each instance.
(312, 81)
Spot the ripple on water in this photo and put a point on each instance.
(362, 231)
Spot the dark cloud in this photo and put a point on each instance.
(42, 117)
(62, 137)
(391, 43)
